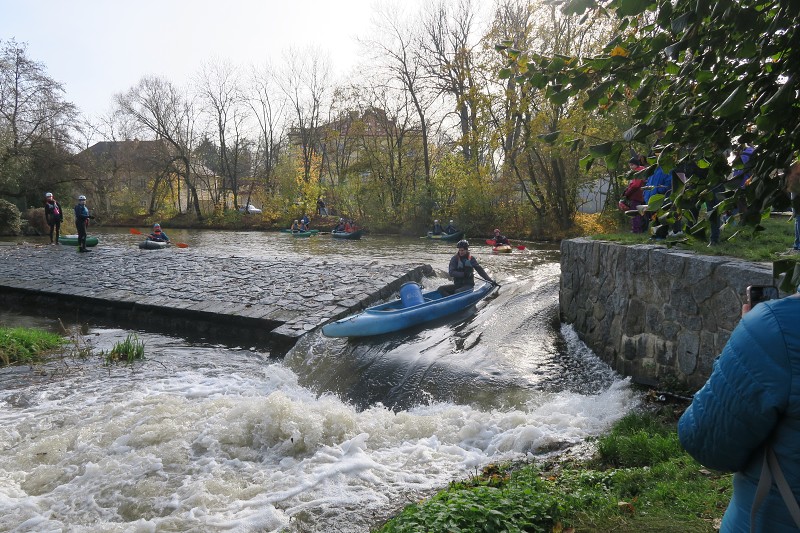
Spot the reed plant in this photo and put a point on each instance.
(127, 351)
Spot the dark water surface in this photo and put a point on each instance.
(332, 437)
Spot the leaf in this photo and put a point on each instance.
(505, 73)
(601, 150)
(629, 8)
(618, 51)
(632, 133)
(733, 104)
(586, 163)
(549, 137)
(577, 7)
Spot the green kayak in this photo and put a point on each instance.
(311, 231)
(72, 240)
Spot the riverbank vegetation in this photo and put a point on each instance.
(638, 479)
(27, 345)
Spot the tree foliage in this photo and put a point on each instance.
(716, 75)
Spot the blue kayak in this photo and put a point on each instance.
(396, 315)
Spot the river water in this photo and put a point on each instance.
(334, 436)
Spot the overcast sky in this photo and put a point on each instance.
(97, 48)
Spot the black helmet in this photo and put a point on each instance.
(463, 243)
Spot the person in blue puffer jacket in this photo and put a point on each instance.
(751, 405)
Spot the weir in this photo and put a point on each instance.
(242, 299)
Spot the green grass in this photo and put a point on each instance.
(639, 480)
(25, 345)
(736, 241)
(127, 351)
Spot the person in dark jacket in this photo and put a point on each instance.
(157, 235)
(82, 217)
(746, 418)
(450, 229)
(53, 215)
(437, 228)
(498, 238)
(462, 269)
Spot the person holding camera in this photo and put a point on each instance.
(462, 269)
(82, 217)
(746, 418)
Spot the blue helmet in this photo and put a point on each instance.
(463, 243)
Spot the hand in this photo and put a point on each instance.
(91, 216)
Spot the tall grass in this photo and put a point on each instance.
(127, 351)
(26, 345)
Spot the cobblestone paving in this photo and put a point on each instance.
(299, 293)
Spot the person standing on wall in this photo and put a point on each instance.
(82, 217)
(53, 215)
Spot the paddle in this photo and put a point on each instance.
(491, 242)
(135, 231)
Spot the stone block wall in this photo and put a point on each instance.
(658, 315)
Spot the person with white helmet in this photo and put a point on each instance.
(53, 215)
(450, 229)
(437, 228)
(157, 235)
(82, 217)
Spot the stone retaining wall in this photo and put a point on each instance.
(660, 316)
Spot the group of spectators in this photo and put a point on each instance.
(642, 188)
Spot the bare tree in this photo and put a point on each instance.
(35, 122)
(225, 104)
(269, 113)
(307, 85)
(446, 53)
(397, 46)
(167, 113)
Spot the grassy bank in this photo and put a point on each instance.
(639, 479)
(26, 346)
(735, 241)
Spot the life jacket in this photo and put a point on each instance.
(465, 265)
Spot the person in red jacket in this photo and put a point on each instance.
(633, 196)
(53, 215)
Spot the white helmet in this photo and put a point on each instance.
(81, 197)
(48, 195)
(451, 221)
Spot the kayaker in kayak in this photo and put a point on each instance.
(157, 235)
(437, 228)
(499, 239)
(450, 229)
(462, 269)
(340, 227)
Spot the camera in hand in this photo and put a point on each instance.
(761, 293)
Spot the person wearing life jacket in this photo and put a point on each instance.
(437, 228)
(450, 229)
(498, 238)
(82, 217)
(340, 226)
(296, 227)
(157, 235)
(53, 215)
(462, 269)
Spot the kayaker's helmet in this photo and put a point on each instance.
(435, 221)
(81, 197)
(48, 195)
(157, 226)
(451, 221)
(496, 230)
(463, 243)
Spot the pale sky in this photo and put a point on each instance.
(97, 48)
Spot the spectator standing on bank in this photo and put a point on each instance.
(53, 215)
(82, 217)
